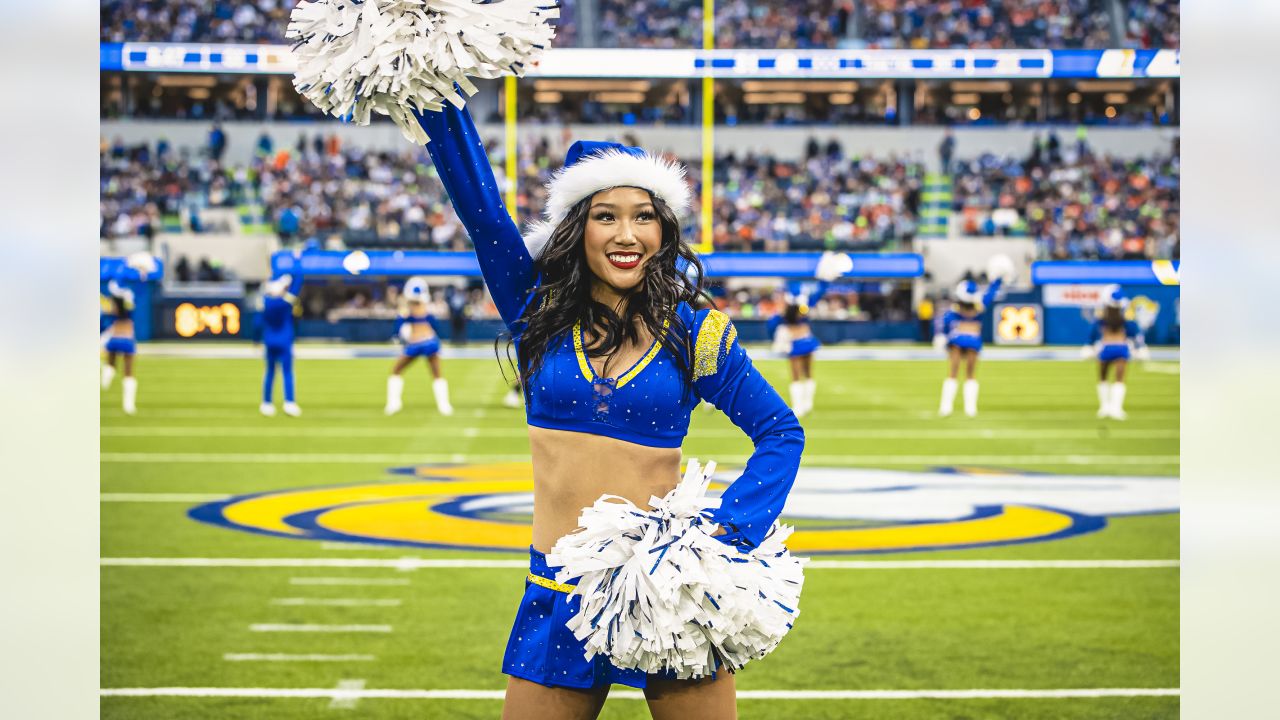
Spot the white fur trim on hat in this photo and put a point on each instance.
(609, 169)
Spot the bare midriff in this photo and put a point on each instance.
(420, 332)
(122, 327)
(799, 330)
(1114, 337)
(571, 470)
(969, 327)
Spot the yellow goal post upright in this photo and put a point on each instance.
(509, 122)
(705, 244)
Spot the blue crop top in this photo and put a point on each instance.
(1131, 332)
(950, 324)
(646, 404)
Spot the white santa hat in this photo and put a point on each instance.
(590, 167)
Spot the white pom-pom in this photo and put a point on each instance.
(660, 594)
(356, 262)
(1001, 266)
(396, 56)
(832, 266)
(143, 262)
(940, 342)
(1088, 352)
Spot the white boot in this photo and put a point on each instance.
(108, 374)
(292, 410)
(1117, 401)
(440, 388)
(971, 398)
(810, 389)
(267, 409)
(949, 388)
(130, 387)
(512, 400)
(797, 398)
(395, 389)
(1104, 399)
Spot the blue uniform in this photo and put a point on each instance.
(277, 334)
(423, 348)
(120, 308)
(806, 295)
(958, 326)
(1116, 351)
(647, 404)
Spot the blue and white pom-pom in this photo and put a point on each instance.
(392, 57)
(660, 594)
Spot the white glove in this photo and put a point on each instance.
(406, 331)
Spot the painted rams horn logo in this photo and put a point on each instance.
(488, 507)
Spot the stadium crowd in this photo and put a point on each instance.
(923, 24)
(739, 23)
(1078, 205)
(1075, 203)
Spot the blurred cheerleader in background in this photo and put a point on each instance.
(1113, 341)
(792, 335)
(416, 328)
(960, 334)
(119, 331)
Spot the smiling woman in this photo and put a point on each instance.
(612, 358)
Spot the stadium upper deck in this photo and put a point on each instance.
(740, 23)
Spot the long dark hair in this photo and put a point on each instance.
(792, 315)
(1113, 318)
(564, 298)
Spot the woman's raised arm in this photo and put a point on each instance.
(458, 153)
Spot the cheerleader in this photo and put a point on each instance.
(120, 344)
(415, 326)
(793, 337)
(279, 307)
(1110, 342)
(960, 334)
(612, 359)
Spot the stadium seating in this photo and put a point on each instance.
(1075, 203)
(739, 23)
(1079, 208)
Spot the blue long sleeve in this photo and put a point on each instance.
(1095, 332)
(459, 157)
(818, 291)
(753, 502)
(1132, 331)
(990, 294)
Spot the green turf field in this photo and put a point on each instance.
(309, 616)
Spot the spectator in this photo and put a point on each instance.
(946, 149)
(217, 142)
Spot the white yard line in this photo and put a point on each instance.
(315, 628)
(347, 696)
(282, 657)
(411, 459)
(376, 693)
(343, 581)
(425, 563)
(519, 432)
(337, 602)
(433, 422)
(160, 497)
